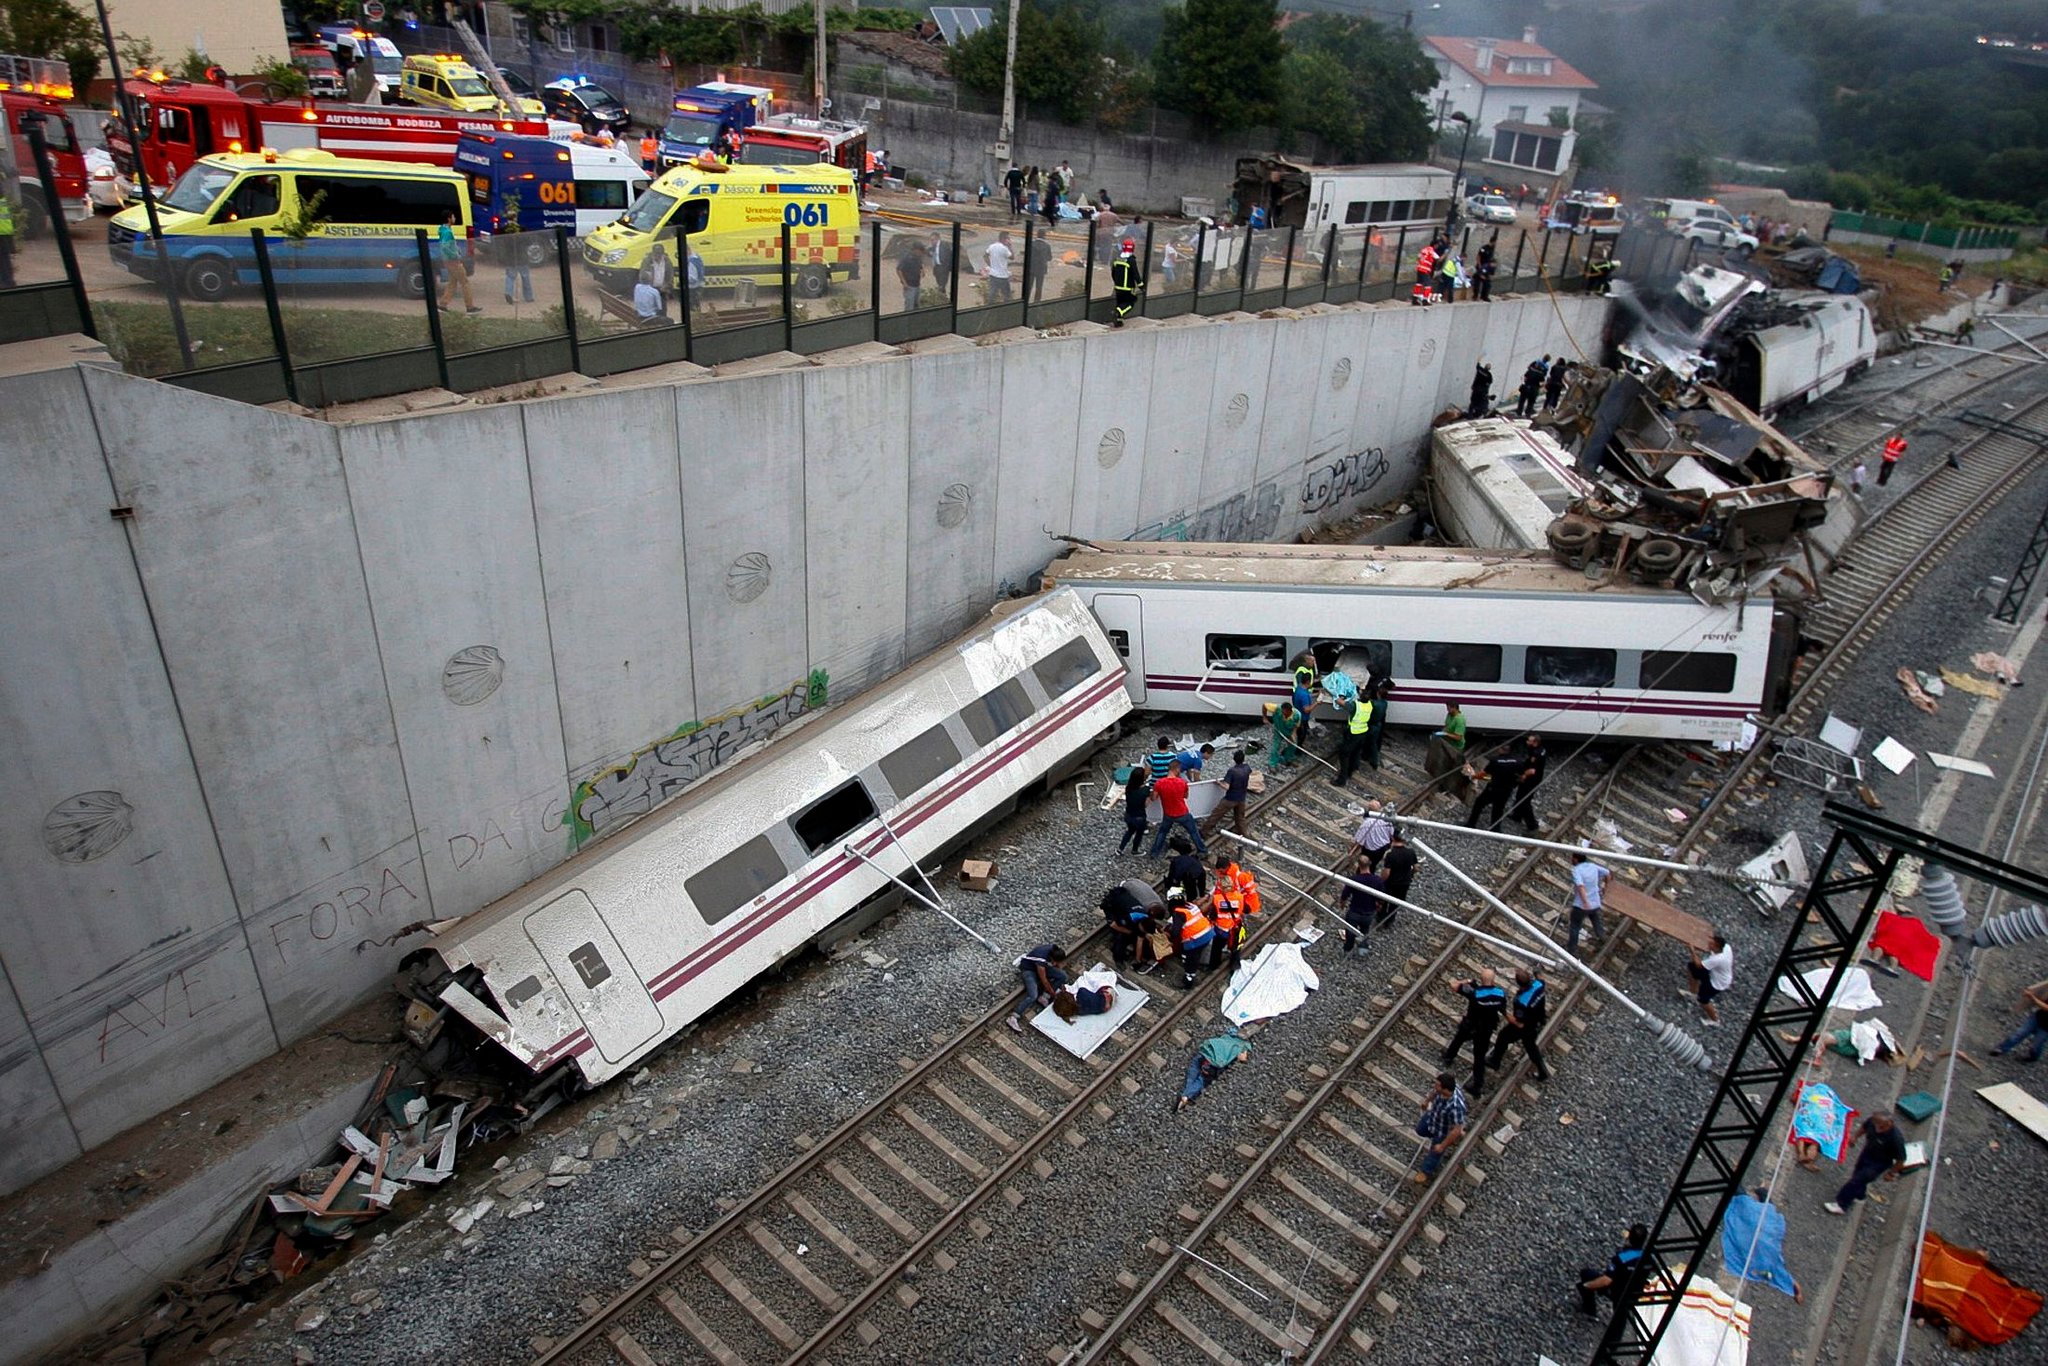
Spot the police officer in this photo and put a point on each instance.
(1503, 771)
(1126, 277)
(1526, 1013)
(1485, 998)
(1535, 760)
(1622, 1278)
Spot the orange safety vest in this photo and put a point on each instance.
(1247, 889)
(1225, 906)
(1193, 923)
(1894, 447)
(649, 148)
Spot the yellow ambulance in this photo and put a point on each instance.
(733, 217)
(441, 80)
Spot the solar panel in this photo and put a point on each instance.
(958, 21)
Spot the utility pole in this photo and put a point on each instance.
(818, 65)
(1003, 151)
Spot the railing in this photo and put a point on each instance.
(1927, 234)
(263, 320)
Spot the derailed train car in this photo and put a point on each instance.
(583, 972)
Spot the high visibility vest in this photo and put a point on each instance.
(1123, 274)
(1894, 447)
(649, 148)
(1361, 716)
(1225, 906)
(1247, 888)
(1193, 924)
(6, 217)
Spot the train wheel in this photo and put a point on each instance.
(1658, 558)
(1571, 541)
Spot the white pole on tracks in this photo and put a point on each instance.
(1642, 860)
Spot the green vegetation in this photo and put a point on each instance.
(1358, 87)
(140, 337)
(747, 34)
(1219, 62)
(1064, 64)
(52, 28)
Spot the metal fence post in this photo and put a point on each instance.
(1564, 263)
(953, 285)
(277, 338)
(1329, 260)
(1201, 242)
(1247, 265)
(788, 314)
(1287, 263)
(569, 296)
(432, 294)
(685, 300)
(1365, 257)
(58, 227)
(1543, 256)
(1145, 308)
(875, 279)
(1394, 275)
(1088, 274)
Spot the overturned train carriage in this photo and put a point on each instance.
(584, 971)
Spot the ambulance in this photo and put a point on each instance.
(366, 215)
(733, 217)
(441, 80)
(578, 185)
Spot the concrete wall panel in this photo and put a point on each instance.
(1423, 397)
(281, 690)
(1177, 435)
(856, 519)
(1110, 433)
(1296, 437)
(1037, 450)
(1463, 347)
(1243, 387)
(952, 508)
(609, 515)
(121, 938)
(743, 536)
(1346, 466)
(446, 521)
(35, 1137)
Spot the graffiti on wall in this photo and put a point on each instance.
(693, 749)
(1252, 516)
(1325, 484)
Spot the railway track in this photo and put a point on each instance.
(840, 1241)
(1306, 1255)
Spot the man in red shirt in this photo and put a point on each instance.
(1172, 791)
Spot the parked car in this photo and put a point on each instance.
(580, 100)
(1715, 232)
(1489, 208)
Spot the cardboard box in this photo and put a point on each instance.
(978, 875)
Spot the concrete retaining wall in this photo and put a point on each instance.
(277, 693)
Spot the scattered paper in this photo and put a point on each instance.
(1308, 934)
(1893, 755)
(1959, 765)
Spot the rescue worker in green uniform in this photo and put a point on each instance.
(6, 240)
(1126, 277)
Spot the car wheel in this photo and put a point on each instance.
(535, 253)
(412, 280)
(812, 282)
(207, 279)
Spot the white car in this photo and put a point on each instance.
(1489, 208)
(1712, 232)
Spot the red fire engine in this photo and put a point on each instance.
(182, 121)
(787, 140)
(33, 90)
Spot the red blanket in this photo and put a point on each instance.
(1960, 1288)
(1906, 939)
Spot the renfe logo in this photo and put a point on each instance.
(1724, 636)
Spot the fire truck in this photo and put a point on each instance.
(788, 140)
(181, 121)
(33, 91)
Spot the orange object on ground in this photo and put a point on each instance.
(1958, 1287)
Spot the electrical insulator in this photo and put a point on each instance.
(1943, 900)
(2014, 927)
(1679, 1044)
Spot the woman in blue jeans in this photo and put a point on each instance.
(2033, 1027)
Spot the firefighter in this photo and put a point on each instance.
(1127, 277)
(1193, 933)
(1599, 272)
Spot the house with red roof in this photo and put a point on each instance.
(1523, 100)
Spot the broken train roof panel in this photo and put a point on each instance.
(1375, 567)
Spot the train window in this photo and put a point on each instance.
(1355, 657)
(1247, 652)
(589, 964)
(1687, 671)
(1067, 668)
(1456, 662)
(736, 879)
(834, 816)
(917, 764)
(1563, 666)
(1003, 709)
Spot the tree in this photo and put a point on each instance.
(1219, 62)
(51, 28)
(1060, 60)
(1358, 86)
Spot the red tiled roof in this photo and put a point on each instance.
(1463, 53)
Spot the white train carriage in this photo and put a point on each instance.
(1798, 362)
(598, 962)
(1518, 640)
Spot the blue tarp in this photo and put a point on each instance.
(1766, 1261)
(1838, 276)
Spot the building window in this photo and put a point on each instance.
(1518, 113)
(1560, 116)
(1526, 149)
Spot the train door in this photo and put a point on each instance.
(1123, 622)
(602, 987)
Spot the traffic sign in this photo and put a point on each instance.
(373, 10)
